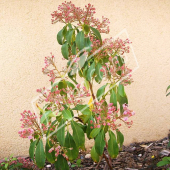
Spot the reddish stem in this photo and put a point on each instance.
(108, 162)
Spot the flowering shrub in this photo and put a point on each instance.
(65, 119)
(19, 163)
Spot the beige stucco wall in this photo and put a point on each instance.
(27, 36)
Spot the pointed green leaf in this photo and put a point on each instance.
(101, 92)
(113, 98)
(60, 37)
(50, 156)
(90, 72)
(61, 132)
(168, 94)
(78, 134)
(32, 149)
(69, 36)
(86, 28)
(40, 154)
(73, 48)
(120, 138)
(88, 44)
(61, 163)
(72, 149)
(162, 163)
(100, 143)
(64, 50)
(84, 109)
(90, 127)
(113, 148)
(121, 90)
(168, 88)
(82, 61)
(80, 40)
(46, 115)
(94, 155)
(97, 34)
(67, 114)
(94, 132)
(99, 74)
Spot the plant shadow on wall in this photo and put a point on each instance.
(65, 118)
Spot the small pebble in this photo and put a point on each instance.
(88, 156)
(140, 155)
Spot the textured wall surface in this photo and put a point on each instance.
(27, 36)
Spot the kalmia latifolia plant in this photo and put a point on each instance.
(65, 118)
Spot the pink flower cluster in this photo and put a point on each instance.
(58, 150)
(68, 13)
(110, 47)
(28, 121)
(127, 113)
(111, 69)
(108, 115)
(68, 96)
(26, 133)
(105, 115)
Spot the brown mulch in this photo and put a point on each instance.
(136, 156)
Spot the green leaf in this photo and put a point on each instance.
(73, 48)
(82, 61)
(94, 155)
(90, 71)
(72, 149)
(64, 50)
(69, 36)
(166, 159)
(100, 143)
(67, 114)
(113, 98)
(121, 90)
(62, 85)
(61, 163)
(6, 165)
(60, 37)
(84, 109)
(40, 154)
(99, 74)
(89, 129)
(61, 132)
(168, 88)
(84, 118)
(162, 163)
(113, 148)
(86, 84)
(50, 156)
(46, 115)
(86, 28)
(97, 34)
(69, 84)
(80, 40)
(94, 132)
(78, 162)
(120, 138)
(78, 135)
(101, 92)
(168, 94)
(122, 100)
(32, 149)
(88, 44)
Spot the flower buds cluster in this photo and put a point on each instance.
(107, 115)
(58, 150)
(68, 13)
(28, 121)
